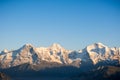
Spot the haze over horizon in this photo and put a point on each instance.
(74, 24)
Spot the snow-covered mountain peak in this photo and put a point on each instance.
(5, 50)
(96, 46)
(27, 46)
(100, 44)
(99, 52)
(56, 46)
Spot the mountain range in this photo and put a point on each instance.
(42, 60)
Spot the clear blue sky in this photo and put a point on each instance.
(72, 23)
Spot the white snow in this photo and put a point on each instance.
(55, 53)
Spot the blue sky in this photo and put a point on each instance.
(72, 23)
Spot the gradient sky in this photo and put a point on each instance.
(72, 23)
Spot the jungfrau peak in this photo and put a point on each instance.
(99, 52)
(29, 54)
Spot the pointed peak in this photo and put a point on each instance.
(27, 45)
(5, 50)
(99, 43)
(96, 45)
(56, 46)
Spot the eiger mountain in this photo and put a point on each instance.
(57, 59)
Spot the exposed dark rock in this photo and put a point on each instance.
(4, 76)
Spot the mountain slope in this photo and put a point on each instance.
(30, 54)
(91, 55)
(104, 73)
